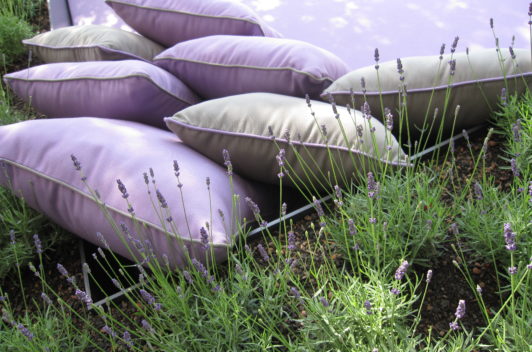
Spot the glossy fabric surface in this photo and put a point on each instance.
(35, 159)
(242, 125)
(128, 90)
(172, 21)
(224, 65)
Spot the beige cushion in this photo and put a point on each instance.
(242, 124)
(91, 43)
(476, 85)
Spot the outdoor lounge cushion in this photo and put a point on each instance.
(223, 65)
(94, 12)
(129, 90)
(172, 21)
(254, 127)
(476, 86)
(91, 43)
(35, 162)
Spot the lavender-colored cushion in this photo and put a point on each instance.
(129, 90)
(35, 161)
(172, 21)
(246, 125)
(475, 86)
(95, 12)
(91, 43)
(224, 65)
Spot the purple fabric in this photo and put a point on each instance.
(128, 90)
(95, 12)
(59, 14)
(35, 159)
(172, 21)
(353, 29)
(224, 65)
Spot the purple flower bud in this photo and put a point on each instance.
(372, 220)
(401, 270)
(146, 326)
(479, 289)
(478, 191)
(452, 67)
(188, 277)
(46, 299)
(204, 238)
(395, 291)
(281, 158)
(491, 23)
(377, 57)
(460, 309)
(253, 206)
(515, 170)
(162, 200)
(512, 53)
(38, 244)
(77, 164)
(455, 44)
(509, 237)
(373, 187)
(122, 189)
(283, 209)
(503, 97)
(106, 329)
(367, 305)
(512, 270)
(84, 297)
(429, 275)
(291, 240)
(127, 339)
(352, 227)
(263, 253)
(516, 129)
(295, 292)
(442, 50)
(324, 130)
(454, 326)
(227, 162)
(360, 129)
(147, 296)
(388, 118)
(324, 302)
(12, 238)
(366, 110)
(307, 99)
(24, 330)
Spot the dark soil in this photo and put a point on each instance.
(446, 289)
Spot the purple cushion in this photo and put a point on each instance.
(129, 90)
(219, 66)
(172, 21)
(95, 12)
(35, 161)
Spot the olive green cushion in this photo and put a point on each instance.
(244, 125)
(91, 43)
(476, 86)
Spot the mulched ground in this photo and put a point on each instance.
(446, 289)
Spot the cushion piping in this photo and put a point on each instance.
(249, 67)
(144, 76)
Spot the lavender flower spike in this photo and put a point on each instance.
(161, 199)
(25, 331)
(77, 164)
(460, 309)
(147, 297)
(263, 253)
(509, 237)
(227, 162)
(204, 238)
(38, 244)
(401, 270)
(515, 170)
(455, 44)
(122, 189)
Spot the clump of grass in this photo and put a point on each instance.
(12, 31)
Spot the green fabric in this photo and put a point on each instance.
(242, 124)
(475, 86)
(91, 43)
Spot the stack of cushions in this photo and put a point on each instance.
(35, 161)
(475, 85)
(245, 124)
(256, 82)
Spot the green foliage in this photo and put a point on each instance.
(12, 31)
